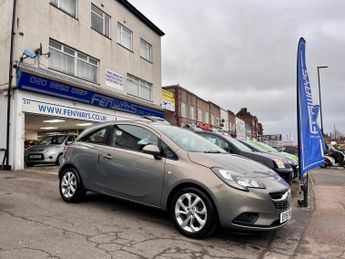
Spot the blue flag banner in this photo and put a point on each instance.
(311, 144)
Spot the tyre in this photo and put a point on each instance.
(193, 213)
(59, 159)
(70, 186)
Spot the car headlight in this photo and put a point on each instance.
(292, 161)
(237, 180)
(279, 163)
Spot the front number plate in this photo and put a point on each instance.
(285, 216)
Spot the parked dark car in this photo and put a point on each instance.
(290, 158)
(173, 169)
(233, 146)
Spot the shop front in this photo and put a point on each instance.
(45, 105)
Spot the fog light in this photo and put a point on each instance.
(247, 218)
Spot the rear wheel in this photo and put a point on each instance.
(193, 213)
(70, 186)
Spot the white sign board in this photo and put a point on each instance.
(240, 129)
(65, 112)
(114, 80)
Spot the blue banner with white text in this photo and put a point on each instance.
(47, 86)
(311, 141)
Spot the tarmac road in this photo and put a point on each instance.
(36, 223)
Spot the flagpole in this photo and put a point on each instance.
(303, 181)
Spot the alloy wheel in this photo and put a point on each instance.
(190, 212)
(68, 184)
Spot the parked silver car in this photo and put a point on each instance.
(173, 169)
(48, 150)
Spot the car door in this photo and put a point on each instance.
(127, 171)
(86, 158)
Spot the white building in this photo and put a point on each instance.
(104, 63)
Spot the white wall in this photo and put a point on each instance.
(39, 21)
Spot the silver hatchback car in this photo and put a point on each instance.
(173, 169)
(48, 150)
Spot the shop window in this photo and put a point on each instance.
(72, 62)
(100, 21)
(68, 6)
(145, 50)
(138, 87)
(124, 36)
(132, 137)
(212, 119)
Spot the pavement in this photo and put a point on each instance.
(36, 223)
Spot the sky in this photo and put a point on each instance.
(242, 53)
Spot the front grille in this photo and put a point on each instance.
(281, 200)
(282, 205)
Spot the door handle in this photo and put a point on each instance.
(108, 156)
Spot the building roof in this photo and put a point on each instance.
(183, 89)
(140, 16)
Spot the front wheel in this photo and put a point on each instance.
(70, 186)
(193, 213)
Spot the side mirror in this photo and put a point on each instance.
(151, 149)
(69, 142)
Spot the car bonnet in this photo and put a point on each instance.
(233, 163)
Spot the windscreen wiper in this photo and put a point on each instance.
(213, 151)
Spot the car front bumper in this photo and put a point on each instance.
(41, 157)
(257, 209)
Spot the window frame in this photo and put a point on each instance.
(106, 136)
(120, 27)
(207, 117)
(183, 110)
(200, 115)
(140, 84)
(192, 112)
(150, 50)
(52, 2)
(104, 16)
(76, 59)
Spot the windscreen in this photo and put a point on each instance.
(255, 147)
(58, 140)
(187, 140)
(238, 144)
(266, 147)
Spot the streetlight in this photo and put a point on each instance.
(318, 80)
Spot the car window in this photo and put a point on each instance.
(187, 140)
(55, 140)
(132, 137)
(167, 152)
(217, 140)
(97, 137)
(70, 139)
